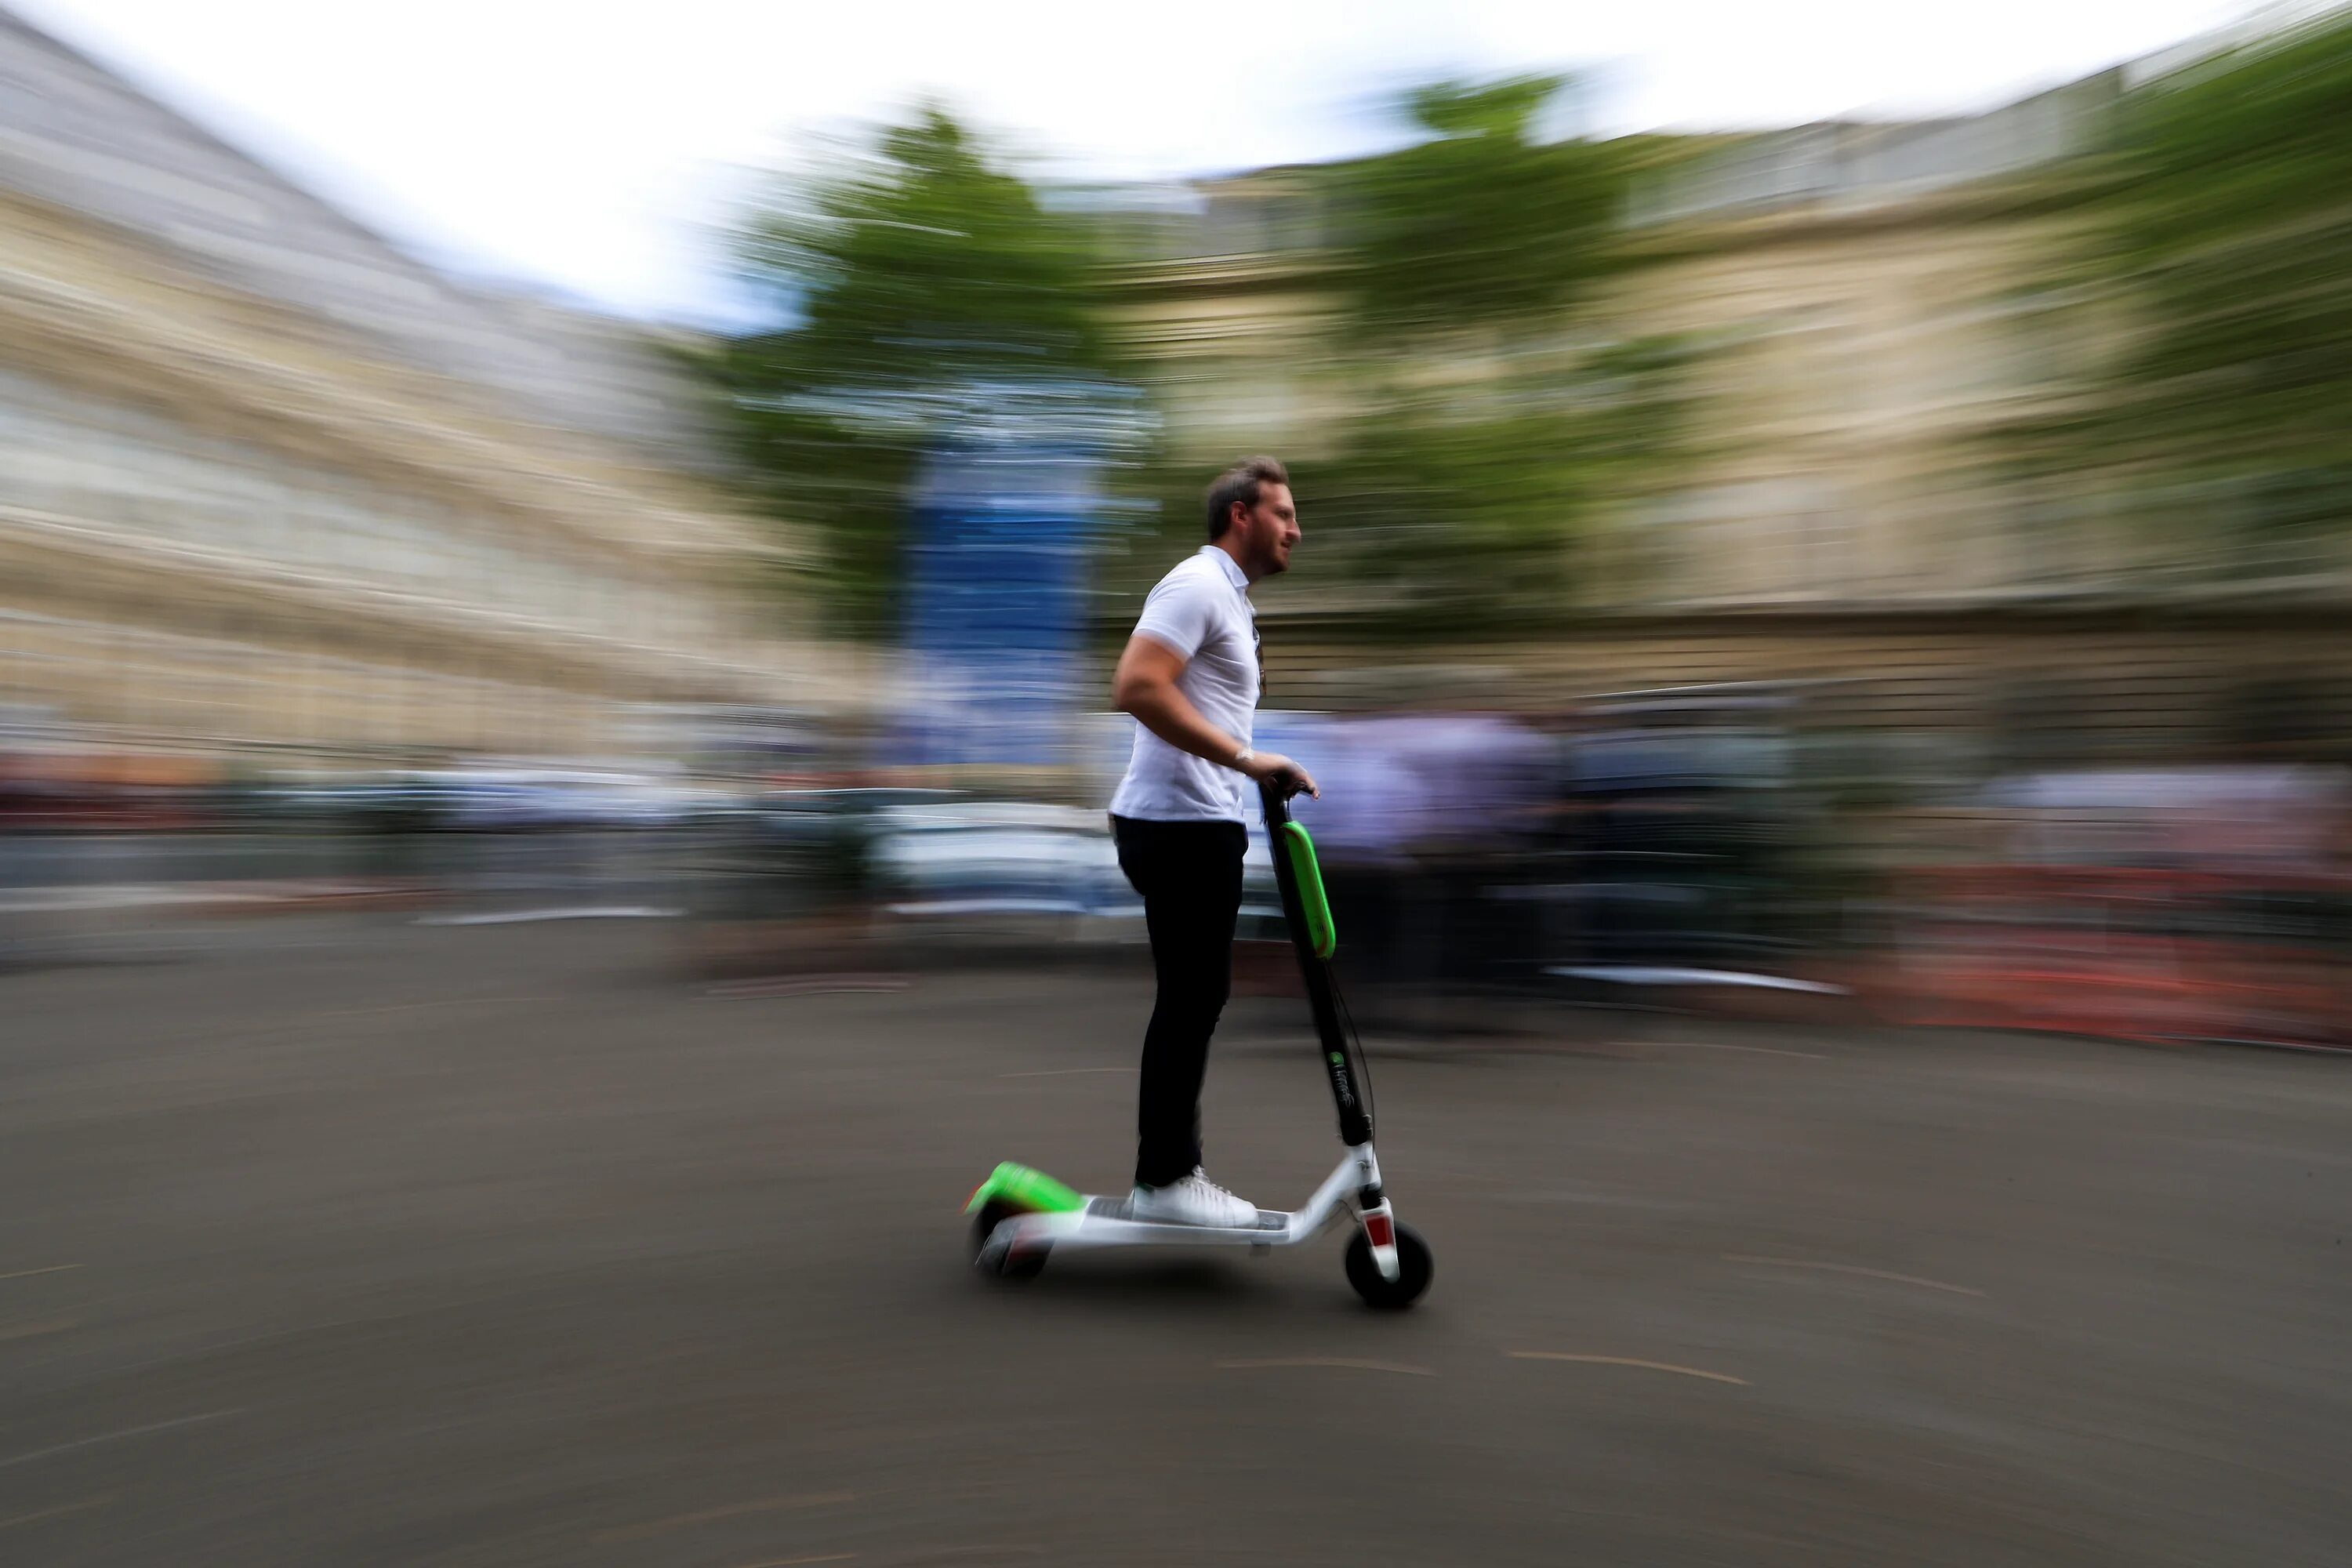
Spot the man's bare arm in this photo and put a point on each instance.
(1145, 686)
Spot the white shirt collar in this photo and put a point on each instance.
(1233, 572)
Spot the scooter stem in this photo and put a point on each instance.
(1355, 1122)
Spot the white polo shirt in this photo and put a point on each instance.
(1201, 610)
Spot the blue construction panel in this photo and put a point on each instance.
(995, 607)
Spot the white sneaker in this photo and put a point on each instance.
(1192, 1200)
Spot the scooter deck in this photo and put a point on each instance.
(1048, 1208)
(1107, 1223)
(1040, 1211)
(1122, 1211)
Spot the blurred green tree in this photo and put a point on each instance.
(1500, 414)
(919, 278)
(1462, 510)
(1480, 223)
(2222, 245)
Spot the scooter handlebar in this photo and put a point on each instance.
(1275, 797)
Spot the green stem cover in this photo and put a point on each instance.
(1321, 934)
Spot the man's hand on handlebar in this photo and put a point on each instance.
(1274, 767)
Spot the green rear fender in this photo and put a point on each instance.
(1019, 1187)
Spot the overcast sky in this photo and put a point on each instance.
(592, 144)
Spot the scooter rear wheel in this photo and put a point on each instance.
(1415, 1268)
(1021, 1264)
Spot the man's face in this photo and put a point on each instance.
(1270, 529)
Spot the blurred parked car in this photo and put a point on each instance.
(1000, 859)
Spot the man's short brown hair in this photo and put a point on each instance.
(1240, 483)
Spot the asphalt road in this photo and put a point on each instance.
(370, 1242)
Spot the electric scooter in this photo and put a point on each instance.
(1020, 1215)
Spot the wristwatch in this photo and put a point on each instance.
(1242, 757)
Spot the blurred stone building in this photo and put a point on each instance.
(1875, 302)
(269, 485)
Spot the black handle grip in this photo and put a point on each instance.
(1275, 800)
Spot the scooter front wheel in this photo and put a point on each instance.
(1415, 1268)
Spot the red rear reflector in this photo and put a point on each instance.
(1377, 1227)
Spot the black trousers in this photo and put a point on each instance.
(1190, 877)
